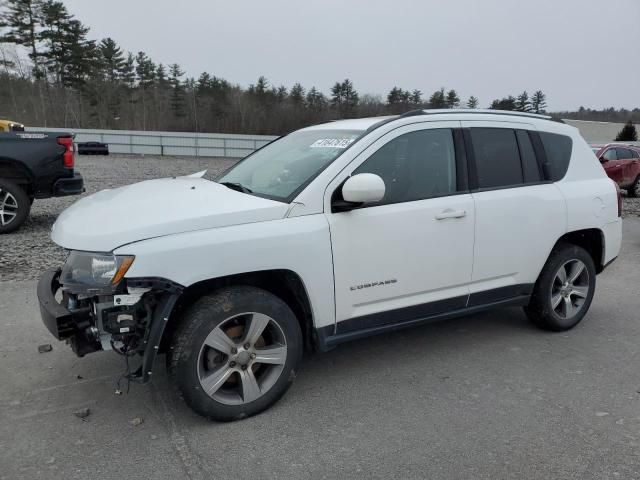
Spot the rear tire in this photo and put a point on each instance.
(235, 353)
(634, 189)
(564, 290)
(14, 206)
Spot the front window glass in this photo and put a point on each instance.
(610, 154)
(415, 166)
(281, 168)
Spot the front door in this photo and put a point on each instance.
(410, 255)
(628, 166)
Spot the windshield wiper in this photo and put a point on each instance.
(238, 187)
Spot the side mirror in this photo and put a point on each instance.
(363, 188)
(603, 160)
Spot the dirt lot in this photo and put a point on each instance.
(483, 397)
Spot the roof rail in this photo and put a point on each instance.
(513, 113)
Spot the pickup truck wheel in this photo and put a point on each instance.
(14, 206)
(235, 353)
(564, 291)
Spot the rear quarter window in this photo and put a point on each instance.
(558, 150)
(497, 158)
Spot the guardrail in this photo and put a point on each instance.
(168, 143)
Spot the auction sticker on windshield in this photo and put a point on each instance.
(332, 143)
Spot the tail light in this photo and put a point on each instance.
(619, 199)
(68, 157)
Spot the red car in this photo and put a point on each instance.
(622, 164)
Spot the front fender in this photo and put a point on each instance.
(300, 244)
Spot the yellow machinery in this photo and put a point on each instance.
(10, 126)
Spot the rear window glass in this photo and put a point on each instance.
(623, 153)
(530, 168)
(558, 149)
(497, 157)
(634, 154)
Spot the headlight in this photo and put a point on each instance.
(95, 269)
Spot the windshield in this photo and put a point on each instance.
(278, 170)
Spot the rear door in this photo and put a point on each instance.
(634, 167)
(627, 165)
(519, 214)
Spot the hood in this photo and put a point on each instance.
(111, 218)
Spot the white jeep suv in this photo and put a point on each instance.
(328, 234)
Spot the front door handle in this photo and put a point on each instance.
(449, 213)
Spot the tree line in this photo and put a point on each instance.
(53, 74)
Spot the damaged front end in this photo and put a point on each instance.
(89, 304)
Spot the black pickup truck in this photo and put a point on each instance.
(34, 165)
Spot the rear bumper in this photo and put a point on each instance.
(612, 241)
(69, 186)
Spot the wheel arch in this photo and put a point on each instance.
(283, 283)
(17, 173)
(591, 239)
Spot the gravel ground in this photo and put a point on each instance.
(26, 253)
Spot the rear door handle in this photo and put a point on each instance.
(449, 213)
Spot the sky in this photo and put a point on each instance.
(579, 52)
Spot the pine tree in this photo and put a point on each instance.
(161, 77)
(399, 100)
(178, 99)
(316, 101)
(296, 96)
(394, 96)
(522, 102)
(112, 59)
(69, 55)
(438, 99)
(83, 59)
(54, 19)
(538, 102)
(452, 100)
(145, 70)
(472, 102)
(203, 84)
(507, 103)
(628, 133)
(128, 71)
(344, 98)
(416, 98)
(20, 22)
(281, 93)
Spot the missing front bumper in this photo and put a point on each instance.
(84, 328)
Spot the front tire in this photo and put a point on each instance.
(235, 353)
(564, 290)
(14, 206)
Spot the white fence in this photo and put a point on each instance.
(169, 143)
